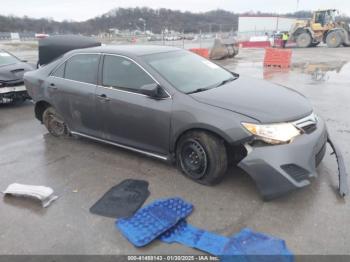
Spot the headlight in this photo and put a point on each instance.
(274, 133)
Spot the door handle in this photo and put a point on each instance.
(103, 97)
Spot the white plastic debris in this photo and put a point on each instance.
(42, 193)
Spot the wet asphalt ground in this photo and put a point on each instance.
(313, 220)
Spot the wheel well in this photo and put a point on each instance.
(334, 30)
(40, 107)
(325, 36)
(299, 31)
(235, 152)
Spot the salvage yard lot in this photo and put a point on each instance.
(313, 220)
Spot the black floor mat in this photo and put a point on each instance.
(122, 200)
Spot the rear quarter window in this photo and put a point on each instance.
(59, 72)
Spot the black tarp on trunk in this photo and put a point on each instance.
(55, 46)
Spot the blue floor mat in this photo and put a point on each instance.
(247, 245)
(191, 236)
(165, 219)
(153, 220)
(250, 246)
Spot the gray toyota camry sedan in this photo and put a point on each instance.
(174, 105)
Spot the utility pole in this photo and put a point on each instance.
(183, 38)
(297, 5)
(144, 24)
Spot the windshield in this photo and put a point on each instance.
(6, 59)
(188, 72)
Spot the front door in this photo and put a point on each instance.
(127, 116)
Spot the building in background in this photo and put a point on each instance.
(255, 26)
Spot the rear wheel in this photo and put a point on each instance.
(334, 39)
(202, 157)
(304, 40)
(54, 123)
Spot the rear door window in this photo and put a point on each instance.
(122, 73)
(82, 68)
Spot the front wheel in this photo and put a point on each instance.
(202, 157)
(54, 123)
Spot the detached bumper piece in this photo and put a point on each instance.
(42, 193)
(343, 175)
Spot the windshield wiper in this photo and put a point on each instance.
(220, 84)
(226, 81)
(198, 90)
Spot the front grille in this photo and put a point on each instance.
(296, 172)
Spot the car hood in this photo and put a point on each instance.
(258, 99)
(14, 72)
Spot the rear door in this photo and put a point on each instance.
(72, 88)
(127, 116)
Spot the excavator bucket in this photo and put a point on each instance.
(224, 48)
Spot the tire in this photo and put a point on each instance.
(334, 39)
(304, 40)
(54, 123)
(202, 157)
(346, 41)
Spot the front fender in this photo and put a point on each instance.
(202, 127)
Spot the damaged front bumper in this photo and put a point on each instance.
(13, 92)
(279, 169)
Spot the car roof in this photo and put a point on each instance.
(130, 50)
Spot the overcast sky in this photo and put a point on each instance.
(80, 10)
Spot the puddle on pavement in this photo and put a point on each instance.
(317, 73)
(324, 71)
(310, 73)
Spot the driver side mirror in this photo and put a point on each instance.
(153, 90)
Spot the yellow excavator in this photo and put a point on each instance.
(323, 27)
